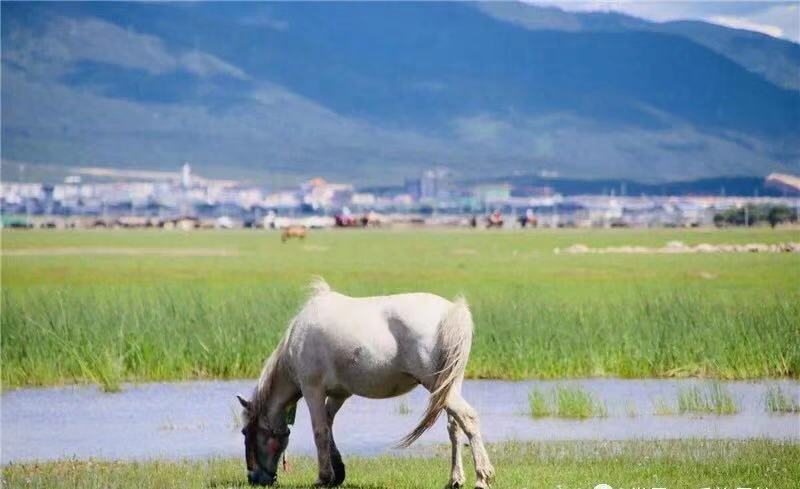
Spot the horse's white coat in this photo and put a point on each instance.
(374, 347)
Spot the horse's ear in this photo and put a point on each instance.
(245, 403)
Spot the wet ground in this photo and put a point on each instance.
(199, 419)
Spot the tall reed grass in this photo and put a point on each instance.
(669, 335)
(110, 318)
(565, 402)
(777, 401)
(122, 334)
(711, 398)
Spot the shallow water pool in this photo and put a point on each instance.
(199, 419)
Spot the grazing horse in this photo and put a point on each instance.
(290, 232)
(375, 347)
(495, 220)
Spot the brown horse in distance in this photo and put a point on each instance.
(290, 232)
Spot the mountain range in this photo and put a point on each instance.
(373, 92)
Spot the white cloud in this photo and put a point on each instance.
(747, 24)
(204, 64)
(777, 19)
(783, 18)
(65, 41)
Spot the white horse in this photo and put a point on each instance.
(374, 347)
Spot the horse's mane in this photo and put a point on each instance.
(271, 366)
(318, 286)
(268, 372)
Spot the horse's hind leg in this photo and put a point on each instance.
(457, 478)
(468, 420)
(332, 406)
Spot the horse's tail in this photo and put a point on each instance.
(455, 340)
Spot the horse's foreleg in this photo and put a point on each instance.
(457, 478)
(467, 419)
(332, 406)
(322, 436)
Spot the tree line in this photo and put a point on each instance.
(752, 215)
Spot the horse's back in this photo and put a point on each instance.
(371, 346)
(412, 315)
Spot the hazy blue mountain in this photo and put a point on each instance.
(776, 60)
(374, 92)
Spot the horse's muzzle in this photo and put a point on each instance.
(261, 478)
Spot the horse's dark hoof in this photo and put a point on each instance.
(260, 478)
(338, 469)
(339, 476)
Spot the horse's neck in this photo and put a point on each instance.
(281, 392)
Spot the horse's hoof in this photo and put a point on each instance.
(338, 469)
(456, 483)
(338, 475)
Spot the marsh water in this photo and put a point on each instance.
(199, 419)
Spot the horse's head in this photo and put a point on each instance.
(263, 445)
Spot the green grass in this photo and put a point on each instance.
(778, 402)
(540, 405)
(565, 402)
(663, 408)
(213, 304)
(711, 398)
(672, 464)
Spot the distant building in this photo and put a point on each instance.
(490, 194)
(287, 199)
(181, 199)
(412, 188)
(186, 176)
(435, 184)
(320, 194)
(532, 191)
(363, 199)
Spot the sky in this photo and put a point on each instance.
(774, 18)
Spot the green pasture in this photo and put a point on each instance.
(109, 306)
(566, 465)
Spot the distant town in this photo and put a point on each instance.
(184, 200)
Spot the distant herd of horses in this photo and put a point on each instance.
(493, 220)
(341, 221)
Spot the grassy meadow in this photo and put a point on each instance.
(109, 306)
(574, 465)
